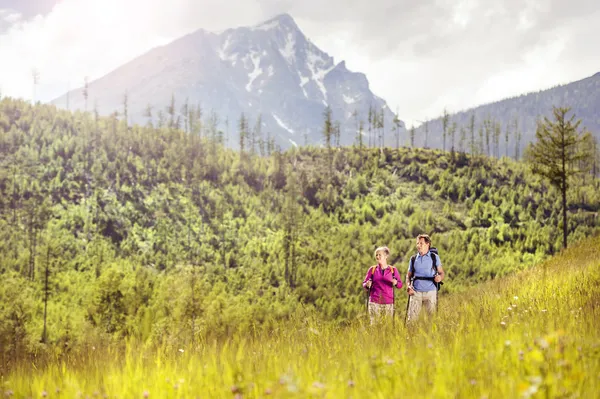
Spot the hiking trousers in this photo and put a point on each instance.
(420, 299)
(379, 310)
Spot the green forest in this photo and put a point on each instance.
(161, 235)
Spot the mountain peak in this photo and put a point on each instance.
(281, 20)
(270, 70)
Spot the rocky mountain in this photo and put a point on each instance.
(271, 69)
(517, 117)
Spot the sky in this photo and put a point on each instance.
(421, 56)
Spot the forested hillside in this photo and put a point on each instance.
(110, 231)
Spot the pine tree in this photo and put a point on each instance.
(85, 92)
(472, 133)
(35, 74)
(243, 131)
(445, 123)
(171, 112)
(517, 134)
(557, 152)
(452, 133)
(148, 114)
(328, 131)
(396, 128)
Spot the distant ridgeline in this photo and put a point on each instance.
(506, 127)
(109, 231)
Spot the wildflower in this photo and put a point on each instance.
(515, 297)
(8, 393)
(318, 385)
(507, 342)
(390, 362)
(44, 394)
(180, 350)
(521, 355)
(235, 389)
(503, 324)
(473, 381)
(544, 310)
(509, 309)
(268, 391)
(350, 383)
(146, 394)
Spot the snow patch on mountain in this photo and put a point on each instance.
(283, 125)
(288, 51)
(348, 99)
(319, 68)
(256, 72)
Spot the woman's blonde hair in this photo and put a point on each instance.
(382, 249)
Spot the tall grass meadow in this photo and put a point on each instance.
(532, 334)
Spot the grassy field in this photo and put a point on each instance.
(535, 334)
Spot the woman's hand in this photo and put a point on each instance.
(368, 285)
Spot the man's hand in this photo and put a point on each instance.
(437, 278)
(410, 290)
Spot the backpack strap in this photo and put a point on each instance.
(394, 271)
(372, 271)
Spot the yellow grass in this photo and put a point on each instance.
(534, 334)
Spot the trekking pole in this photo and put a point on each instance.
(393, 306)
(437, 286)
(368, 297)
(407, 307)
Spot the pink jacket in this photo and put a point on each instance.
(382, 290)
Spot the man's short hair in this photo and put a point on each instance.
(425, 237)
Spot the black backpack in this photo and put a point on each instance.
(434, 258)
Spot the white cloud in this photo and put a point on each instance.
(81, 38)
(420, 56)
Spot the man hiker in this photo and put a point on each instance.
(380, 282)
(424, 275)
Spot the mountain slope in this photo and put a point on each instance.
(520, 114)
(270, 69)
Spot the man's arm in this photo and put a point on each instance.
(409, 286)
